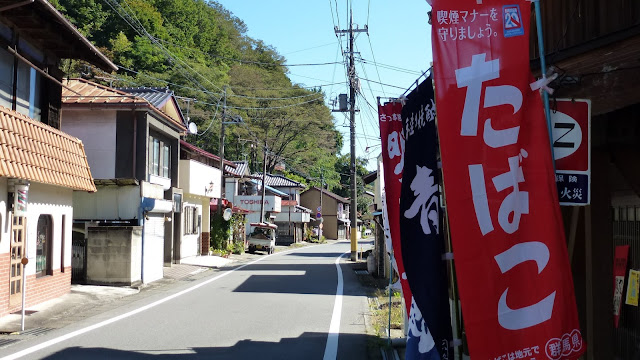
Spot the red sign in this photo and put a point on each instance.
(509, 247)
(619, 272)
(393, 161)
(571, 126)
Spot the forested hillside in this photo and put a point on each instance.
(198, 49)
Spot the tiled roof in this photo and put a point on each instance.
(37, 152)
(82, 92)
(240, 170)
(279, 181)
(155, 95)
(271, 190)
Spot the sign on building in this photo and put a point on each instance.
(571, 127)
(252, 203)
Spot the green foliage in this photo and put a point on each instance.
(342, 167)
(296, 177)
(196, 48)
(220, 232)
(237, 247)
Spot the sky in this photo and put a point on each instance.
(396, 49)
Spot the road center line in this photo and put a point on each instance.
(73, 334)
(331, 349)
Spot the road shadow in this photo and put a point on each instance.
(316, 279)
(308, 346)
(316, 254)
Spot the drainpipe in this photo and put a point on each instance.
(146, 205)
(141, 223)
(135, 142)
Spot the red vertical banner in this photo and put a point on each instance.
(513, 273)
(619, 272)
(393, 141)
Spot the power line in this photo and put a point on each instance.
(241, 60)
(376, 82)
(375, 62)
(220, 94)
(389, 67)
(131, 19)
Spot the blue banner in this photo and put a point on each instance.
(421, 236)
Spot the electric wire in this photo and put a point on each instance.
(391, 67)
(241, 60)
(375, 62)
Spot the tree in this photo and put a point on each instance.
(343, 168)
(196, 47)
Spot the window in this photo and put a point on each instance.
(191, 220)
(165, 162)
(159, 157)
(6, 79)
(44, 246)
(28, 85)
(156, 156)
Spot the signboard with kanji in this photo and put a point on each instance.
(512, 269)
(571, 121)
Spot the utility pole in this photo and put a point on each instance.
(321, 193)
(264, 186)
(224, 114)
(353, 213)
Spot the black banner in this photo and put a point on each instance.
(421, 232)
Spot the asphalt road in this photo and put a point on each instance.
(283, 306)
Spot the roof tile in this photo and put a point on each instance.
(34, 151)
(85, 92)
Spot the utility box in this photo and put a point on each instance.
(342, 102)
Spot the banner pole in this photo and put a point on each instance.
(391, 257)
(543, 70)
(449, 248)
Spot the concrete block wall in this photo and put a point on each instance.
(114, 254)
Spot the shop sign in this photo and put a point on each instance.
(571, 128)
(393, 146)
(632, 288)
(619, 271)
(514, 278)
(253, 203)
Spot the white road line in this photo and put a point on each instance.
(73, 334)
(331, 350)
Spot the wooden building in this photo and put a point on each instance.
(594, 46)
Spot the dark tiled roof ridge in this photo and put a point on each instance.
(146, 89)
(282, 177)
